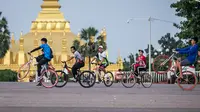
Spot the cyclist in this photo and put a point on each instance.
(102, 59)
(140, 62)
(44, 58)
(78, 64)
(191, 51)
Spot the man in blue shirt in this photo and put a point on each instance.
(45, 57)
(191, 51)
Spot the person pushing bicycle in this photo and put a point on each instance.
(191, 51)
(44, 58)
(78, 64)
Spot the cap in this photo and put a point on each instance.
(101, 47)
(141, 50)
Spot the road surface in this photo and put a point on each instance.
(26, 97)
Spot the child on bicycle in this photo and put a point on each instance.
(140, 62)
(191, 51)
(44, 58)
(78, 64)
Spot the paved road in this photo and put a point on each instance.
(26, 97)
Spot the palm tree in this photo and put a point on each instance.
(4, 36)
(89, 48)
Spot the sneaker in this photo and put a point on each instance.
(72, 79)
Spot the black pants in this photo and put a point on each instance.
(41, 61)
(76, 67)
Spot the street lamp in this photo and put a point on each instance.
(150, 19)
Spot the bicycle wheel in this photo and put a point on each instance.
(146, 80)
(128, 80)
(162, 64)
(23, 71)
(46, 78)
(62, 79)
(108, 79)
(188, 82)
(86, 79)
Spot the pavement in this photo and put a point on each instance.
(26, 97)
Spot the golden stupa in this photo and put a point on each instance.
(51, 24)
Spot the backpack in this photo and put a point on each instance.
(51, 53)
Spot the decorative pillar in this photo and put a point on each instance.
(36, 53)
(64, 50)
(21, 57)
(7, 58)
(104, 34)
(67, 27)
(12, 39)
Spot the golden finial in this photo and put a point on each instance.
(21, 33)
(21, 44)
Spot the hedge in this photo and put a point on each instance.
(8, 76)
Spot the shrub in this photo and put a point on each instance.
(8, 76)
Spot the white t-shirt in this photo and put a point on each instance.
(78, 56)
(101, 55)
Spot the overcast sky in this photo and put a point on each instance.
(112, 14)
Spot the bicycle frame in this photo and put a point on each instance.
(171, 57)
(97, 69)
(173, 65)
(66, 69)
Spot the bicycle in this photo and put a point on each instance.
(131, 78)
(107, 78)
(163, 64)
(47, 73)
(85, 77)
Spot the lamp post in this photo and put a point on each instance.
(150, 19)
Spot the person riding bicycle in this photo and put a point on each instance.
(44, 58)
(140, 62)
(78, 64)
(191, 51)
(102, 59)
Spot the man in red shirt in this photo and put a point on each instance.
(140, 61)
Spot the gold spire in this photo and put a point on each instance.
(50, 11)
(12, 39)
(50, 18)
(21, 44)
(103, 33)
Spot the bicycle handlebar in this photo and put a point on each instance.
(63, 61)
(30, 55)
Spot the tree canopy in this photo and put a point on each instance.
(4, 36)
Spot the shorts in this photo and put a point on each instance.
(185, 62)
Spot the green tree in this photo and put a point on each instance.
(190, 11)
(4, 36)
(127, 64)
(131, 58)
(168, 44)
(190, 26)
(154, 53)
(90, 46)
